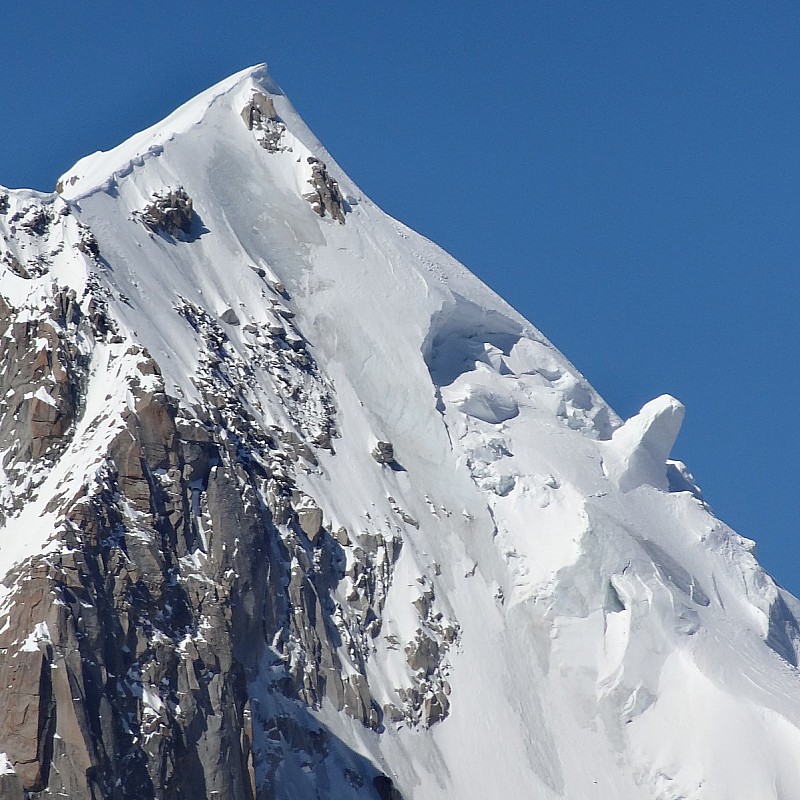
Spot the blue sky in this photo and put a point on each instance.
(626, 174)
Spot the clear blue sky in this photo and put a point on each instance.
(627, 174)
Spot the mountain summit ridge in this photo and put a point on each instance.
(103, 166)
(294, 506)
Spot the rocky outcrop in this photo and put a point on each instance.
(170, 212)
(141, 680)
(259, 110)
(36, 221)
(259, 115)
(325, 197)
(229, 317)
(425, 700)
(39, 386)
(188, 609)
(29, 721)
(31, 234)
(87, 243)
(383, 452)
(138, 685)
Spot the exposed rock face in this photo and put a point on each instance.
(383, 452)
(35, 235)
(326, 198)
(11, 786)
(170, 212)
(259, 110)
(187, 561)
(229, 316)
(157, 649)
(259, 115)
(40, 394)
(45, 361)
(87, 243)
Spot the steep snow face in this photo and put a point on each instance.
(560, 621)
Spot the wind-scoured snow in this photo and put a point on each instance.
(616, 640)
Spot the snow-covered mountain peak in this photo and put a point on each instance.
(101, 169)
(298, 507)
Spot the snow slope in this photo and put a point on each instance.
(614, 639)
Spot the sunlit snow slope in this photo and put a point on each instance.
(561, 615)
